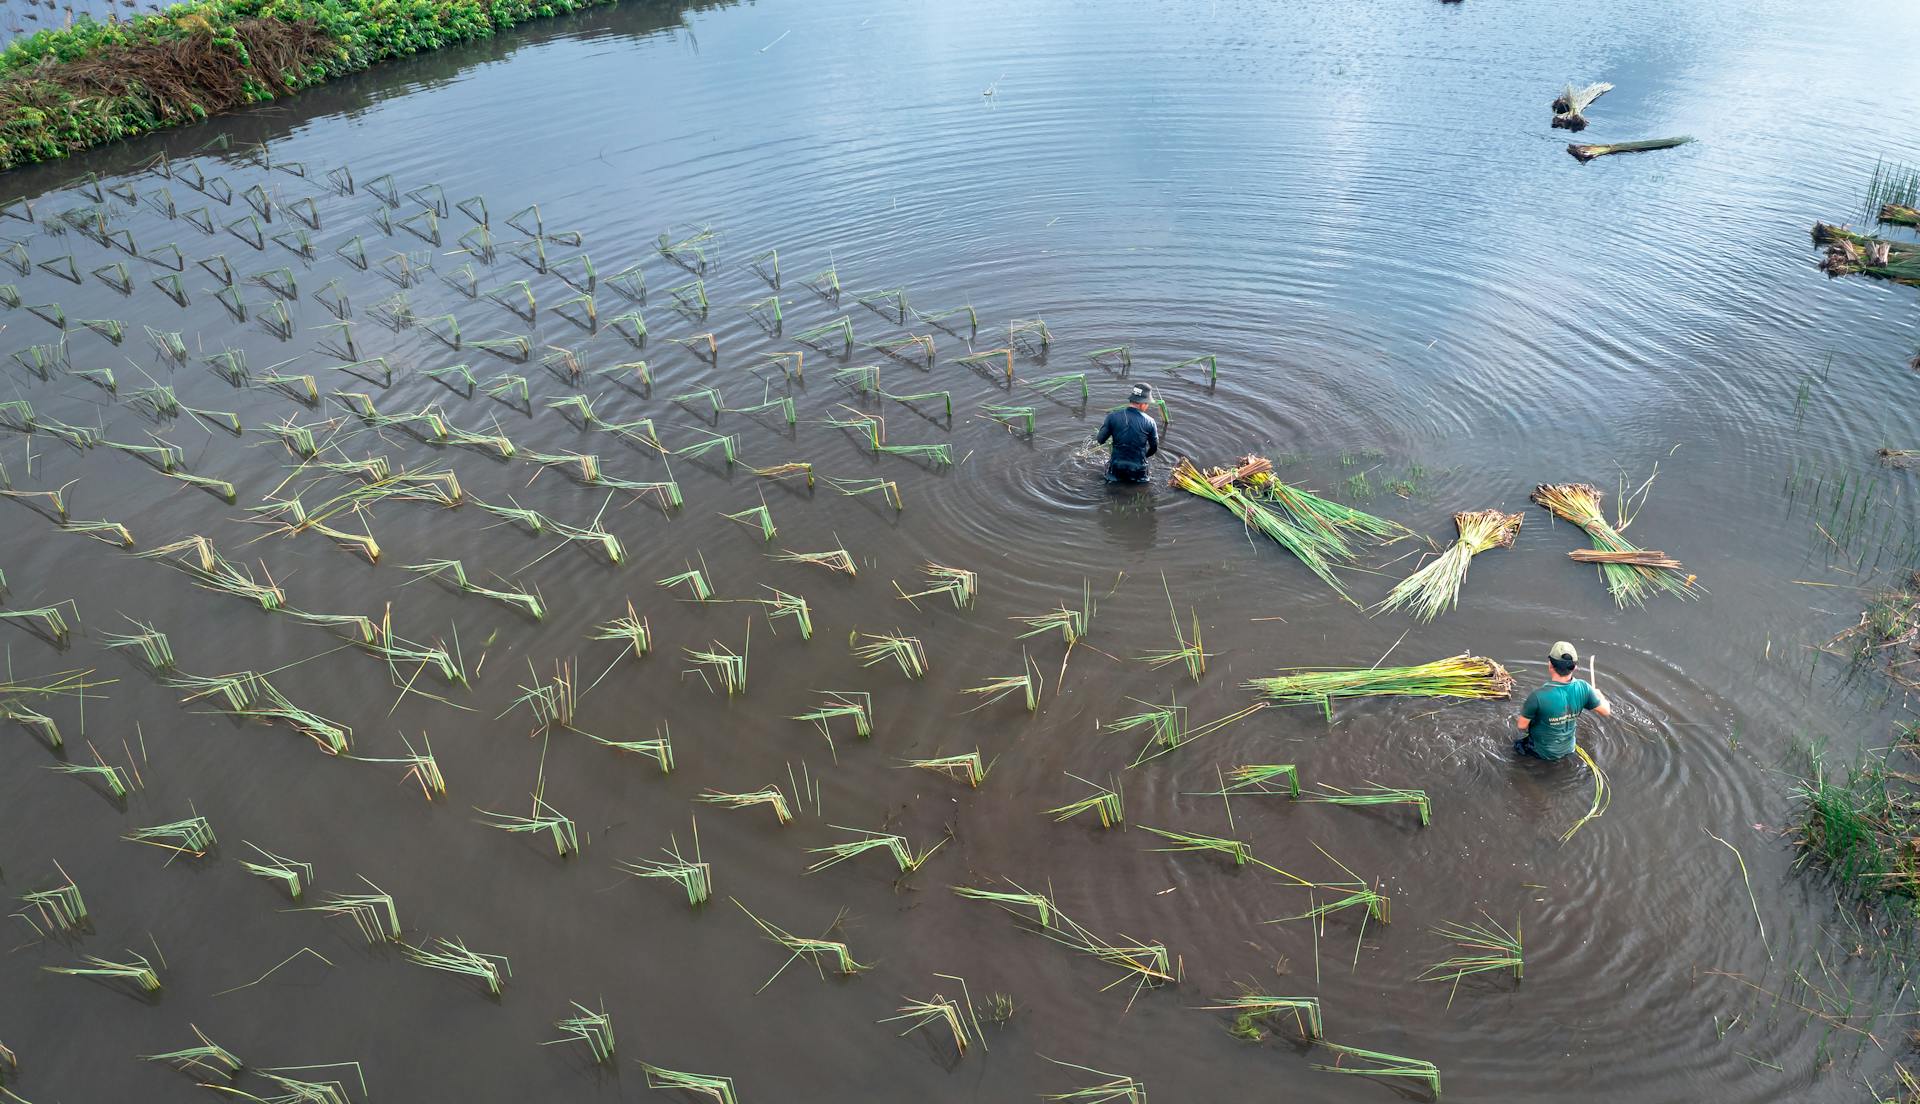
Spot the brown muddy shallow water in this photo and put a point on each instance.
(1419, 304)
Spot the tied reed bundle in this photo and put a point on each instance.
(1461, 676)
(1435, 588)
(1630, 572)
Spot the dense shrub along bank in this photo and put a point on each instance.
(68, 89)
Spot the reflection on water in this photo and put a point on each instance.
(1363, 217)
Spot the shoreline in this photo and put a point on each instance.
(70, 89)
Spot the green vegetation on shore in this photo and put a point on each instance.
(71, 88)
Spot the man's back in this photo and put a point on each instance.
(1554, 714)
(1134, 434)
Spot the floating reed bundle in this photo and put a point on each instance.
(1631, 573)
(1849, 253)
(1570, 106)
(1461, 676)
(1435, 588)
(1583, 154)
(1323, 535)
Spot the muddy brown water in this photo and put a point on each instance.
(1360, 212)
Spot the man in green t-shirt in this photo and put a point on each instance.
(1550, 714)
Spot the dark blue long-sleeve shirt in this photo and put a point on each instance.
(1134, 435)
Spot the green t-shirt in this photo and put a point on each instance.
(1553, 711)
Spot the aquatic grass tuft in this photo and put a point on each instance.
(137, 969)
(1373, 795)
(905, 651)
(278, 868)
(453, 956)
(1105, 802)
(60, 908)
(1028, 682)
(719, 1089)
(695, 876)
(770, 796)
(1251, 1007)
(1373, 1063)
(895, 845)
(958, 584)
(966, 768)
(822, 951)
(1482, 948)
(592, 1028)
(1237, 850)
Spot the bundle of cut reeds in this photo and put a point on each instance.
(1461, 676)
(1322, 534)
(1631, 573)
(1584, 154)
(1435, 588)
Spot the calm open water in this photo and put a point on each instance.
(1358, 208)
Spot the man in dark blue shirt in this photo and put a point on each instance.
(1134, 435)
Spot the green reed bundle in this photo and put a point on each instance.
(770, 796)
(781, 471)
(373, 913)
(895, 845)
(1237, 850)
(791, 606)
(1435, 588)
(631, 630)
(1584, 154)
(137, 970)
(1039, 904)
(1461, 676)
(1602, 795)
(47, 620)
(1028, 682)
(854, 704)
(423, 767)
(1105, 802)
(1260, 778)
(1008, 415)
(693, 579)
(1251, 1006)
(1482, 948)
(110, 777)
(695, 876)
(1190, 653)
(1048, 385)
(942, 1010)
(940, 455)
(887, 489)
(958, 584)
(192, 837)
(1115, 1089)
(1323, 535)
(719, 1089)
(905, 651)
(209, 1059)
(453, 956)
(966, 768)
(1071, 624)
(517, 597)
(1374, 795)
(161, 455)
(61, 908)
(818, 336)
(545, 818)
(1631, 573)
(592, 1028)
(821, 952)
(758, 517)
(280, 869)
(1373, 1063)
(726, 444)
(727, 666)
(197, 556)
